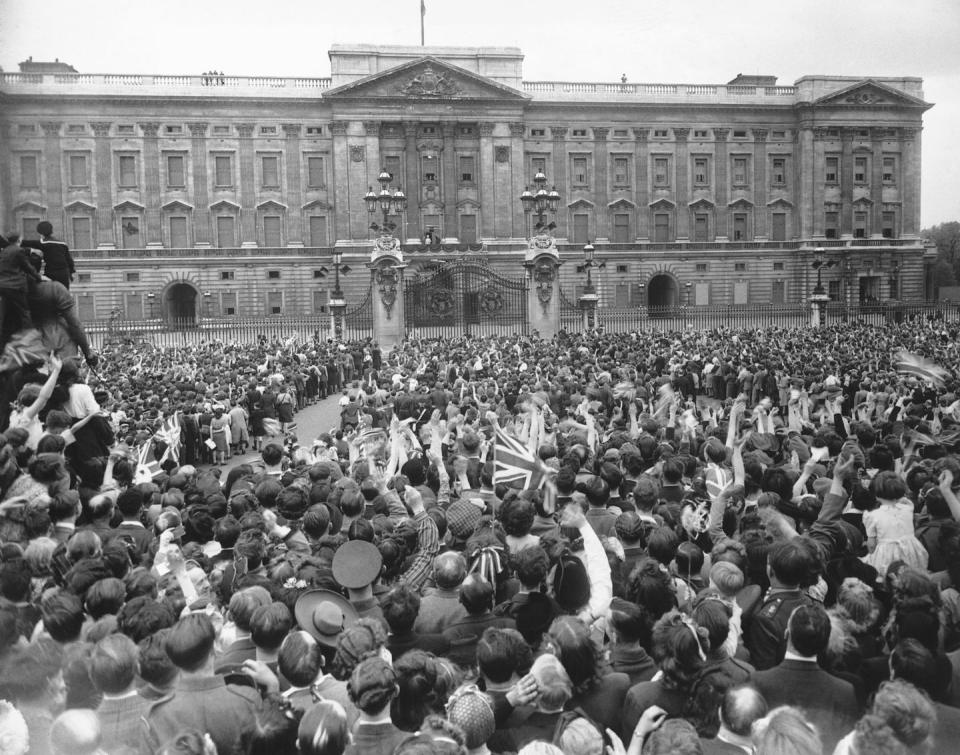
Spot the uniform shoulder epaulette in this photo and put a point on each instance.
(771, 607)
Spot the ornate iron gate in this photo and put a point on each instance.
(358, 321)
(465, 298)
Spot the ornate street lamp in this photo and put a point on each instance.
(207, 298)
(540, 201)
(589, 298)
(338, 304)
(819, 297)
(386, 202)
(151, 297)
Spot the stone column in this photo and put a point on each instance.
(294, 184)
(683, 192)
(201, 195)
(601, 191)
(248, 191)
(723, 182)
(809, 167)
(876, 182)
(543, 291)
(53, 162)
(413, 188)
(151, 184)
(387, 284)
(559, 178)
(448, 182)
(910, 182)
(341, 181)
(487, 194)
(518, 166)
(760, 183)
(846, 181)
(643, 183)
(6, 190)
(103, 157)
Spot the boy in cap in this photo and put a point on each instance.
(57, 261)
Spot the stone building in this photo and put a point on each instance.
(217, 195)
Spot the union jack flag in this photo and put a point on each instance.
(925, 369)
(512, 461)
(169, 433)
(147, 465)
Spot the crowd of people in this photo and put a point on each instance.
(719, 541)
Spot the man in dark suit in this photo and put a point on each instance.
(243, 604)
(829, 703)
(741, 707)
(57, 260)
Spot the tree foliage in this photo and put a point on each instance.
(946, 237)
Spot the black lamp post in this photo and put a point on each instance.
(688, 286)
(386, 201)
(151, 297)
(819, 297)
(207, 297)
(818, 266)
(589, 298)
(540, 201)
(338, 304)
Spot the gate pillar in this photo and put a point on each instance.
(386, 277)
(542, 263)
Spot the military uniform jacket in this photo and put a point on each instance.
(766, 634)
(206, 704)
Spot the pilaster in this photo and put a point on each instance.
(760, 183)
(53, 162)
(559, 178)
(292, 165)
(721, 193)
(151, 183)
(810, 170)
(601, 192)
(412, 190)
(876, 182)
(518, 168)
(248, 198)
(341, 180)
(910, 176)
(201, 194)
(846, 181)
(683, 191)
(487, 172)
(643, 182)
(104, 189)
(448, 185)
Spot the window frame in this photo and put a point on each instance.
(71, 178)
(276, 171)
(35, 171)
(183, 170)
(217, 183)
(127, 159)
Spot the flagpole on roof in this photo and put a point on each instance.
(423, 12)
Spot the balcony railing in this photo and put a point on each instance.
(659, 92)
(170, 85)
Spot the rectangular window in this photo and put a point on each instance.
(130, 232)
(76, 128)
(778, 226)
(29, 175)
(273, 274)
(28, 226)
(26, 128)
(778, 135)
(832, 170)
(132, 277)
(661, 133)
(831, 225)
(699, 134)
(859, 170)
(227, 275)
(430, 168)
(779, 171)
(621, 228)
(466, 169)
(270, 171)
(174, 129)
(134, 306)
(623, 268)
(83, 277)
(432, 223)
(468, 229)
(620, 133)
(661, 171)
(268, 130)
(579, 173)
(833, 290)
(739, 134)
(274, 303)
(701, 166)
(859, 225)
(178, 232)
(318, 230)
(320, 299)
(889, 170)
(661, 226)
(82, 234)
(128, 171)
(228, 303)
(86, 309)
(271, 230)
(538, 165)
(538, 132)
(741, 292)
(740, 171)
(621, 171)
(581, 132)
(701, 227)
(391, 164)
(465, 131)
(778, 266)
(740, 267)
(888, 222)
(778, 292)
(226, 231)
(176, 177)
(78, 170)
(740, 226)
(315, 173)
(580, 228)
(125, 129)
(221, 130)
(223, 171)
(701, 267)
(314, 130)
(701, 294)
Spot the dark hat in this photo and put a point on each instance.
(462, 518)
(324, 614)
(44, 228)
(571, 584)
(356, 564)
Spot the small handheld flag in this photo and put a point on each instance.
(908, 363)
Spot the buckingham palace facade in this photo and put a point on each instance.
(238, 189)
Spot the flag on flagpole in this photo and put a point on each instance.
(920, 367)
(423, 12)
(512, 461)
(147, 466)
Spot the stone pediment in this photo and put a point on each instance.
(870, 93)
(426, 79)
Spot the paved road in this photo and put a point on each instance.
(311, 422)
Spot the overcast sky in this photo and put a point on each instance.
(682, 41)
